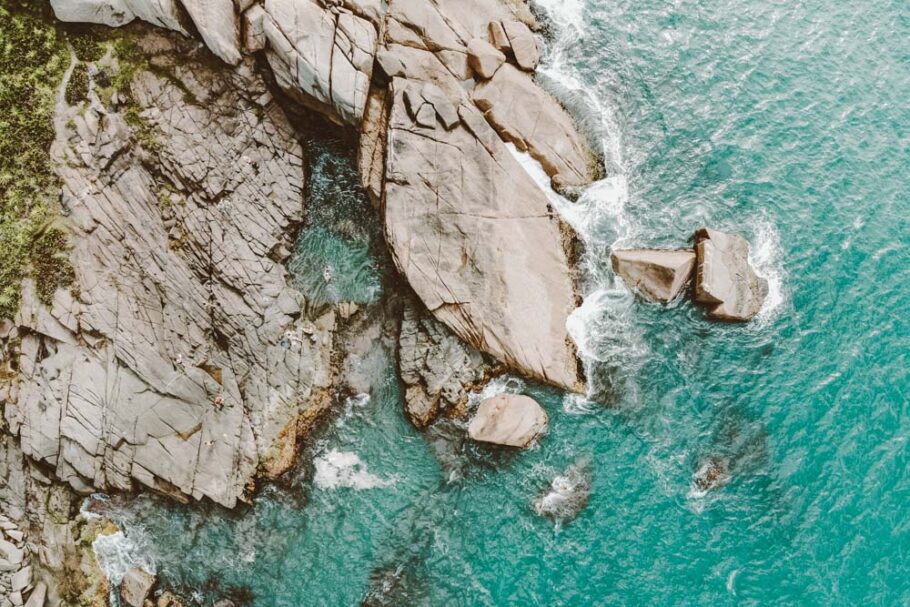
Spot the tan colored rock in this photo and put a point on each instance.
(484, 58)
(173, 369)
(526, 115)
(218, 22)
(38, 595)
(136, 586)
(169, 599)
(371, 151)
(163, 13)
(477, 240)
(327, 64)
(658, 275)
(725, 281)
(498, 37)
(508, 419)
(523, 43)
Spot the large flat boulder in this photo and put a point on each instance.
(725, 281)
(526, 115)
(512, 420)
(658, 275)
(478, 241)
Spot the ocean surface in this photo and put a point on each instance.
(787, 122)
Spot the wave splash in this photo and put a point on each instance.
(117, 553)
(336, 469)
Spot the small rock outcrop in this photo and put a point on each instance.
(484, 58)
(527, 116)
(437, 368)
(658, 275)
(136, 587)
(512, 420)
(567, 494)
(725, 281)
(16, 577)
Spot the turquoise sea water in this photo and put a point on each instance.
(787, 122)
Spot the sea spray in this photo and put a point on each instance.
(335, 469)
(117, 553)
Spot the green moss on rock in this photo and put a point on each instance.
(33, 59)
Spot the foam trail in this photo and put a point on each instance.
(116, 554)
(336, 469)
(766, 255)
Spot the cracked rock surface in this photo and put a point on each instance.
(437, 368)
(181, 353)
(468, 228)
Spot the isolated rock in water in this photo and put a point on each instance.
(713, 473)
(478, 241)
(568, 493)
(437, 368)
(526, 115)
(136, 586)
(659, 275)
(508, 419)
(484, 58)
(724, 278)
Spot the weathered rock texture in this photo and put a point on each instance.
(16, 570)
(181, 354)
(437, 368)
(467, 226)
(478, 241)
(136, 586)
(513, 420)
(658, 275)
(724, 280)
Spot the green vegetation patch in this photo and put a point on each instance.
(33, 59)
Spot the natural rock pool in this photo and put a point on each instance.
(785, 122)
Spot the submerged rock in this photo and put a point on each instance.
(568, 493)
(136, 586)
(513, 420)
(725, 281)
(712, 473)
(658, 275)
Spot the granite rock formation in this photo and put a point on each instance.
(467, 226)
(724, 279)
(658, 275)
(437, 368)
(512, 420)
(182, 353)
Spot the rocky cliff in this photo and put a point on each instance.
(182, 359)
(181, 352)
(466, 225)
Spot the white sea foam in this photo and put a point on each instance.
(117, 553)
(336, 469)
(766, 256)
(564, 13)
